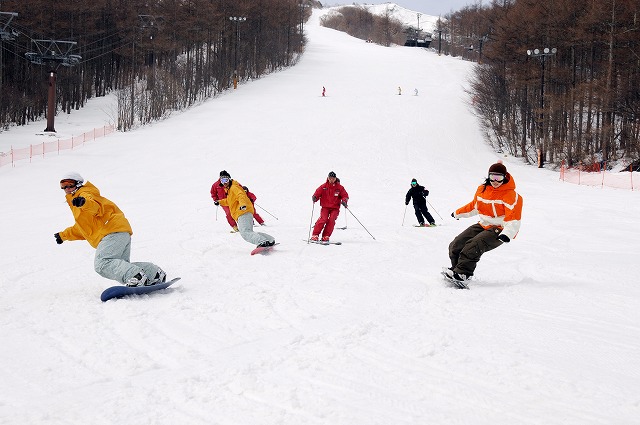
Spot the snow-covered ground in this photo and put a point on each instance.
(362, 333)
(100, 112)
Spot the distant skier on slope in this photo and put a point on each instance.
(101, 223)
(499, 207)
(331, 195)
(419, 194)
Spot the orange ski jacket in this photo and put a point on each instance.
(501, 207)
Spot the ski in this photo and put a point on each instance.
(322, 242)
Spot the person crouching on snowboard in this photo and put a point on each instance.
(331, 195)
(242, 211)
(101, 223)
(419, 194)
(499, 207)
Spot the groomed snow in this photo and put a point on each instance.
(363, 333)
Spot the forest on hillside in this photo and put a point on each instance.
(158, 55)
(556, 81)
(358, 22)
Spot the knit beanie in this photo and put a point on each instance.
(224, 173)
(332, 174)
(498, 168)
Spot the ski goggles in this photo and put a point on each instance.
(414, 184)
(69, 186)
(496, 177)
(224, 180)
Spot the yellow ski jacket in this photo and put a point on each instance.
(95, 219)
(237, 201)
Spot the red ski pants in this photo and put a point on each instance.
(327, 220)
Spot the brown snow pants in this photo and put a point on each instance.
(466, 249)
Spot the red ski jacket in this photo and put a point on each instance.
(217, 191)
(330, 195)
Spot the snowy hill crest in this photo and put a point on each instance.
(407, 17)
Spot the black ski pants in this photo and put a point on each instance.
(421, 210)
(466, 249)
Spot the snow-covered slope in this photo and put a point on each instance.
(362, 333)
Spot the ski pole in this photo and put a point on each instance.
(405, 213)
(354, 216)
(216, 213)
(435, 210)
(267, 212)
(311, 222)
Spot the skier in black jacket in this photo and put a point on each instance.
(419, 194)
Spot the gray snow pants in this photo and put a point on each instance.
(467, 248)
(245, 226)
(112, 259)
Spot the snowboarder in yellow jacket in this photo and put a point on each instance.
(101, 223)
(242, 211)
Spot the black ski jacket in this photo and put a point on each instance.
(419, 194)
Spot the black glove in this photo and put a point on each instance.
(314, 199)
(453, 214)
(78, 202)
(344, 203)
(504, 238)
(216, 203)
(406, 203)
(58, 238)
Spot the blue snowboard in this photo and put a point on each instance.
(122, 291)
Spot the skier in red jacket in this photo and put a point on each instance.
(331, 195)
(218, 193)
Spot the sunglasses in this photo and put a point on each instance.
(496, 177)
(69, 186)
(414, 184)
(224, 180)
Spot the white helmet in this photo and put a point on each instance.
(72, 175)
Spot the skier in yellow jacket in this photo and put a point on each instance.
(242, 211)
(499, 208)
(101, 223)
